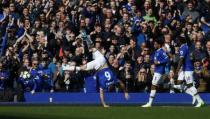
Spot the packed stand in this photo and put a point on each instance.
(40, 37)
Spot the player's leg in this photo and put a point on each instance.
(155, 81)
(180, 86)
(89, 66)
(191, 88)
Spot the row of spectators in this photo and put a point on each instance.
(40, 37)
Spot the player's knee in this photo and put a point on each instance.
(154, 83)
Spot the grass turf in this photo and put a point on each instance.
(96, 112)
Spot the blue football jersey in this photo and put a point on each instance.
(32, 82)
(106, 78)
(163, 59)
(35, 76)
(185, 53)
(46, 77)
(27, 84)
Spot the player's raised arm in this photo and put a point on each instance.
(102, 98)
(182, 53)
(181, 60)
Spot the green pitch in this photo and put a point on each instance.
(96, 112)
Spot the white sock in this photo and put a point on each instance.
(152, 96)
(188, 91)
(195, 93)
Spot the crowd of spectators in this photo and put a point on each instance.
(39, 37)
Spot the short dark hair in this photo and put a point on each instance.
(160, 41)
(182, 39)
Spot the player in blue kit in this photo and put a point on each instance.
(27, 81)
(29, 78)
(104, 74)
(106, 78)
(160, 61)
(46, 76)
(185, 69)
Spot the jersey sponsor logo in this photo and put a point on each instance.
(109, 83)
